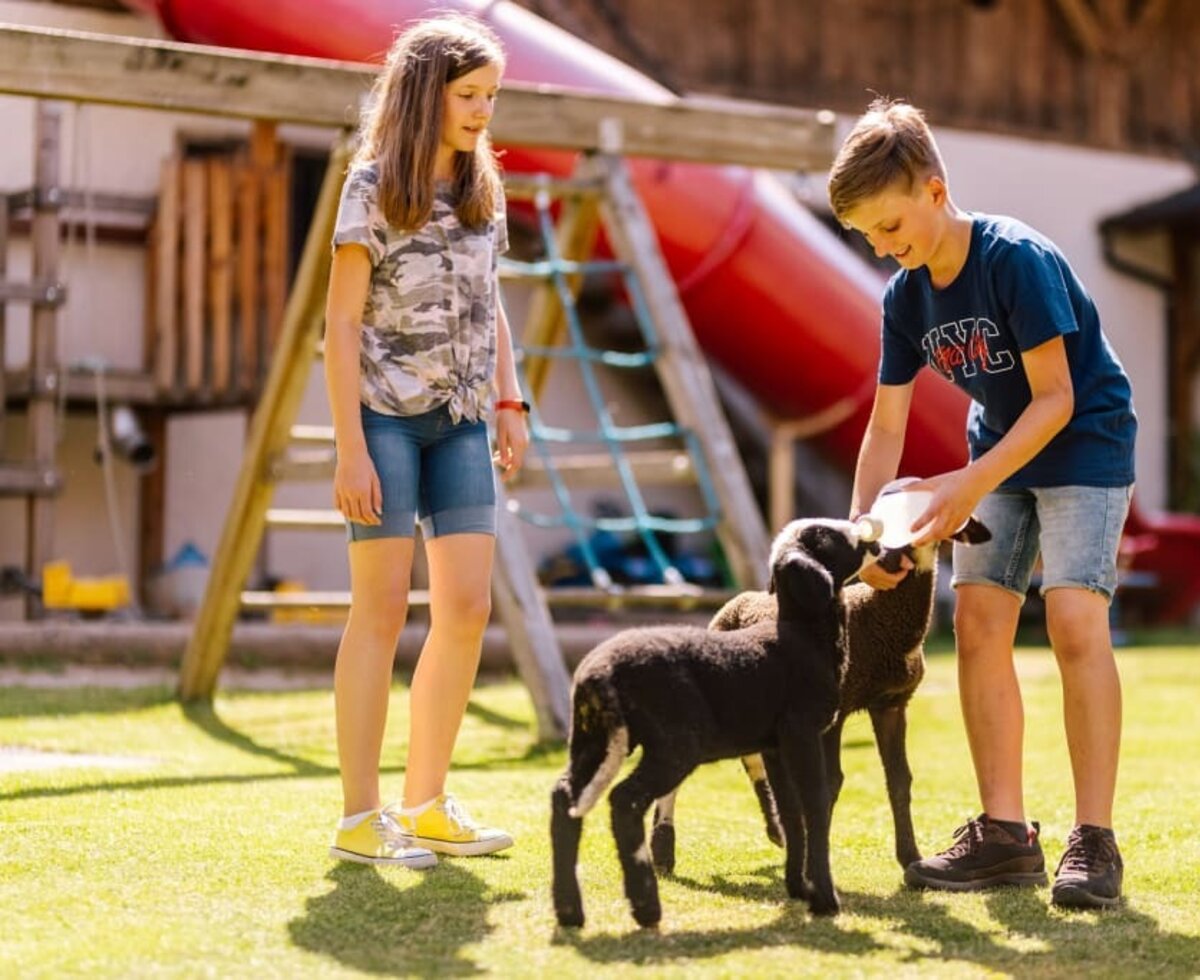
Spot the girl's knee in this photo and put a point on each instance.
(380, 612)
(466, 614)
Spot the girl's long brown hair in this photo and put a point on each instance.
(402, 126)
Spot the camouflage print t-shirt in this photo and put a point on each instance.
(429, 324)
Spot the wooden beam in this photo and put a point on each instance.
(28, 479)
(220, 270)
(195, 78)
(521, 606)
(195, 237)
(44, 325)
(166, 269)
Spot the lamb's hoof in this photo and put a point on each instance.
(775, 835)
(570, 917)
(799, 889)
(908, 857)
(662, 847)
(647, 916)
(824, 904)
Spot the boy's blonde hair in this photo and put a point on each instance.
(890, 142)
(402, 127)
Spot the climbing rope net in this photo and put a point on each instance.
(616, 440)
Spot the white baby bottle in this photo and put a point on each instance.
(891, 515)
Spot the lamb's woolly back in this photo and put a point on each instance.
(886, 627)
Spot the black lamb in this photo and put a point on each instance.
(688, 695)
(886, 631)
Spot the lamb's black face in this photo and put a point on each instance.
(833, 544)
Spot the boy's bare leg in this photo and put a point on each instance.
(985, 624)
(1077, 620)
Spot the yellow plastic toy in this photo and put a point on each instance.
(62, 591)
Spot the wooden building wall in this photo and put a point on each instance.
(1123, 74)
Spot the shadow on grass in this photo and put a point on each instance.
(205, 717)
(1119, 942)
(24, 702)
(368, 923)
(1116, 942)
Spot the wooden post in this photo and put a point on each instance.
(268, 437)
(271, 177)
(152, 499)
(166, 272)
(42, 419)
(248, 296)
(195, 228)
(684, 375)
(531, 637)
(275, 245)
(220, 278)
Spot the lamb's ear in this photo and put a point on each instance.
(973, 532)
(771, 584)
(804, 585)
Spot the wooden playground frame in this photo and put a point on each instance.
(269, 89)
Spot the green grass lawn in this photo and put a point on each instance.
(209, 859)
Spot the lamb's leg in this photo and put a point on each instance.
(831, 746)
(804, 760)
(629, 800)
(891, 725)
(564, 843)
(757, 771)
(791, 820)
(662, 833)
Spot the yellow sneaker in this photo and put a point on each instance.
(377, 839)
(443, 825)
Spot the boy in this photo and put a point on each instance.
(994, 307)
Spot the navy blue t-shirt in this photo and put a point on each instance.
(1015, 292)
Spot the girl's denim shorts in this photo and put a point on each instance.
(430, 469)
(1076, 530)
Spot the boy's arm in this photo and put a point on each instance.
(878, 461)
(882, 445)
(956, 494)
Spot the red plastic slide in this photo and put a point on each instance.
(772, 295)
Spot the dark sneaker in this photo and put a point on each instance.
(1090, 871)
(983, 855)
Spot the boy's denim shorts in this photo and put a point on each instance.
(429, 468)
(1075, 529)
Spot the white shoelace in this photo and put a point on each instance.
(393, 835)
(457, 814)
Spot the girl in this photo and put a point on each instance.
(416, 346)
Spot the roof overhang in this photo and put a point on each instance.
(1141, 241)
